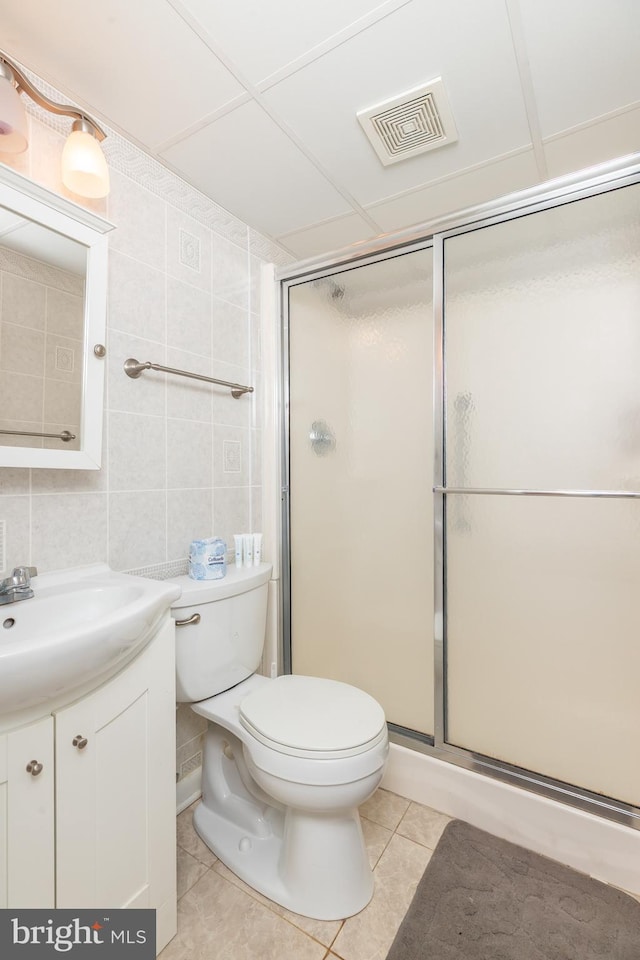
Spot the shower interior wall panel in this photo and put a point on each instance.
(361, 518)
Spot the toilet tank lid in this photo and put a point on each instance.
(237, 580)
(312, 714)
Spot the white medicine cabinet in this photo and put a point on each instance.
(53, 296)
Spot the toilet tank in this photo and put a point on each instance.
(225, 646)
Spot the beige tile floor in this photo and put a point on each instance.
(221, 918)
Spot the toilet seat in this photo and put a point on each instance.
(313, 718)
(317, 767)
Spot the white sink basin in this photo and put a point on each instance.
(80, 626)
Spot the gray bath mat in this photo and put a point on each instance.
(482, 898)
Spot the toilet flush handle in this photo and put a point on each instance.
(195, 618)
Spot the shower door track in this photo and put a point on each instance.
(558, 790)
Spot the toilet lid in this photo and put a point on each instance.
(311, 716)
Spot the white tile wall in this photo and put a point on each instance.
(183, 291)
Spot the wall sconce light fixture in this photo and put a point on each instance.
(84, 168)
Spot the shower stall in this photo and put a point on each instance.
(461, 485)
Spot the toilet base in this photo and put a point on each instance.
(313, 866)
(313, 862)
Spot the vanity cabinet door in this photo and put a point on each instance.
(115, 790)
(27, 866)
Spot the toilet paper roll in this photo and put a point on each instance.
(207, 559)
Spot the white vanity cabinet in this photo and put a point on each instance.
(27, 864)
(110, 806)
(115, 790)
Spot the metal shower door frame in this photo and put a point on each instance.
(597, 180)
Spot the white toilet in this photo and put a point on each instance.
(286, 761)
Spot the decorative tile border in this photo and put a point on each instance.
(265, 249)
(162, 571)
(37, 270)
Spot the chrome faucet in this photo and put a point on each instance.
(18, 585)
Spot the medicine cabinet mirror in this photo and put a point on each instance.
(53, 292)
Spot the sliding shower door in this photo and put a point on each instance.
(462, 534)
(360, 481)
(542, 529)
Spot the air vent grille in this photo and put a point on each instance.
(410, 124)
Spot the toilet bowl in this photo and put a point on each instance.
(287, 761)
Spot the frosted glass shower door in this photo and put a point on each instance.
(361, 473)
(542, 374)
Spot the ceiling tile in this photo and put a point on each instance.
(123, 61)
(595, 143)
(240, 28)
(471, 187)
(472, 53)
(582, 63)
(253, 169)
(143, 69)
(327, 237)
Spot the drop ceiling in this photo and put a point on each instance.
(255, 102)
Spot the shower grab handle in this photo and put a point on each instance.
(500, 491)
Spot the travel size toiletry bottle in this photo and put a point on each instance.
(257, 548)
(237, 540)
(247, 539)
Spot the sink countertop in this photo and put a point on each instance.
(82, 626)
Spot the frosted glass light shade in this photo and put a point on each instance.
(84, 168)
(13, 119)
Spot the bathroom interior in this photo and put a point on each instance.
(436, 432)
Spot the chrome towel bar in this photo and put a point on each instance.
(133, 368)
(65, 436)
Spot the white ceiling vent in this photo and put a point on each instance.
(412, 123)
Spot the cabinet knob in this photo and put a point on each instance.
(34, 768)
(80, 742)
